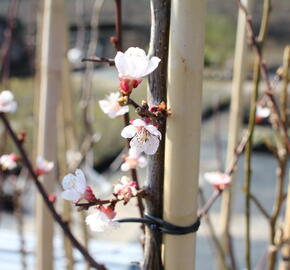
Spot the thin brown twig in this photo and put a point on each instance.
(265, 74)
(97, 59)
(217, 192)
(144, 112)
(259, 206)
(203, 211)
(45, 198)
(5, 50)
(213, 234)
(117, 41)
(141, 193)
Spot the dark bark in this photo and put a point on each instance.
(160, 12)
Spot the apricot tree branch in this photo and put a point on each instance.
(45, 198)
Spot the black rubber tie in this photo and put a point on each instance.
(163, 226)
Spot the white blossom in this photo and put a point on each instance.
(7, 103)
(74, 186)
(111, 106)
(145, 137)
(219, 180)
(43, 166)
(133, 161)
(135, 64)
(100, 222)
(8, 162)
(75, 56)
(262, 112)
(126, 189)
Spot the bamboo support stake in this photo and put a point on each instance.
(251, 127)
(52, 54)
(235, 121)
(65, 134)
(185, 67)
(285, 262)
(286, 79)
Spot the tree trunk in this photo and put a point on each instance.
(160, 12)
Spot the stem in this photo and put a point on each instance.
(64, 226)
(265, 74)
(96, 59)
(203, 211)
(281, 156)
(259, 206)
(258, 44)
(248, 170)
(157, 92)
(126, 117)
(213, 235)
(286, 64)
(235, 126)
(5, 50)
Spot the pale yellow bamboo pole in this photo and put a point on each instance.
(285, 262)
(235, 120)
(52, 55)
(185, 68)
(36, 93)
(67, 139)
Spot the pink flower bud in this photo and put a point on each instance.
(109, 211)
(89, 194)
(127, 84)
(52, 198)
(14, 157)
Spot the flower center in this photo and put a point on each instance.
(142, 134)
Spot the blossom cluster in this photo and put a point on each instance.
(132, 66)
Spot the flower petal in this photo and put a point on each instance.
(153, 130)
(125, 167)
(123, 110)
(121, 63)
(137, 145)
(71, 195)
(105, 105)
(81, 183)
(151, 145)
(68, 181)
(138, 123)
(128, 131)
(152, 65)
(142, 162)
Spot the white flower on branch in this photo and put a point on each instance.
(112, 107)
(101, 220)
(7, 103)
(132, 66)
(126, 189)
(75, 186)
(75, 56)
(145, 137)
(9, 162)
(43, 166)
(218, 180)
(133, 161)
(262, 113)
